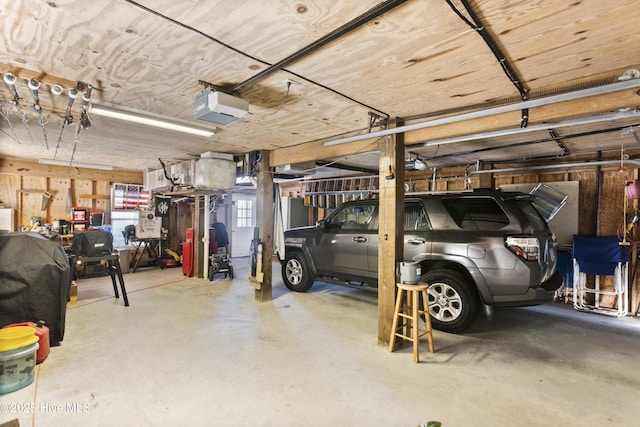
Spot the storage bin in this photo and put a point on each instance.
(78, 214)
(125, 259)
(18, 348)
(410, 272)
(96, 218)
(42, 332)
(79, 227)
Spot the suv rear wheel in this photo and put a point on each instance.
(296, 272)
(453, 302)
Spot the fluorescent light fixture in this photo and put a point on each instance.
(148, 119)
(74, 164)
(599, 90)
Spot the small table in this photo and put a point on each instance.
(113, 262)
(152, 247)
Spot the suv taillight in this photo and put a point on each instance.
(526, 248)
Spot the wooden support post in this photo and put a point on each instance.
(391, 228)
(487, 180)
(265, 225)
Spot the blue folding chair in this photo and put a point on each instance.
(600, 256)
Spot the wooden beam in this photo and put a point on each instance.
(317, 151)
(95, 196)
(265, 226)
(25, 168)
(555, 112)
(486, 180)
(26, 74)
(391, 228)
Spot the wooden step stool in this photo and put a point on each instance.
(410, 314)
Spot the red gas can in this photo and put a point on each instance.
(42, 332)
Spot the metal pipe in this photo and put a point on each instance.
(614, 87)
(632, 114)
(530, 142)
(558, 166)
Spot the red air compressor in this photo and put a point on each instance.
(187, 253)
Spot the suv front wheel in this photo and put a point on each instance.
(453, 302)
(296, 272)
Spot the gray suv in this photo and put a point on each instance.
(477, 247)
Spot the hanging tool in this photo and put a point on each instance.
(85, 123)
(5, 115)
(34, 85)
(10, 80)
(68, 118)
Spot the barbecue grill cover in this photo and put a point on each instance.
(34, 282)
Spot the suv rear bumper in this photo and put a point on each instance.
(538, 295)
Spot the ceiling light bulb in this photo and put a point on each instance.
(9, 78)
(56, 90)
(33, 84)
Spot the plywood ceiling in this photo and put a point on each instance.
(417, 61)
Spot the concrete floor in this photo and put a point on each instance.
(189, 352)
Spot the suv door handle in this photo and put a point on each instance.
(360, 239)
(416, 241)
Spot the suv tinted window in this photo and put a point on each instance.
(476, 213)
(415, 217)
(353, 217)
(534, 218)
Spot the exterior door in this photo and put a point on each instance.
(242, 224)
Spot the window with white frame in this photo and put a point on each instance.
(245, 212)
(126, 201)
(119, 220)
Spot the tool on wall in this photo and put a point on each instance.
(10, 80)
(46, 197)
(34, 85)
(68, 118)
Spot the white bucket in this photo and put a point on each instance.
(410, 272)
(17, 368)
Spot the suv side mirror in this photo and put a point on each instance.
(321, 224)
